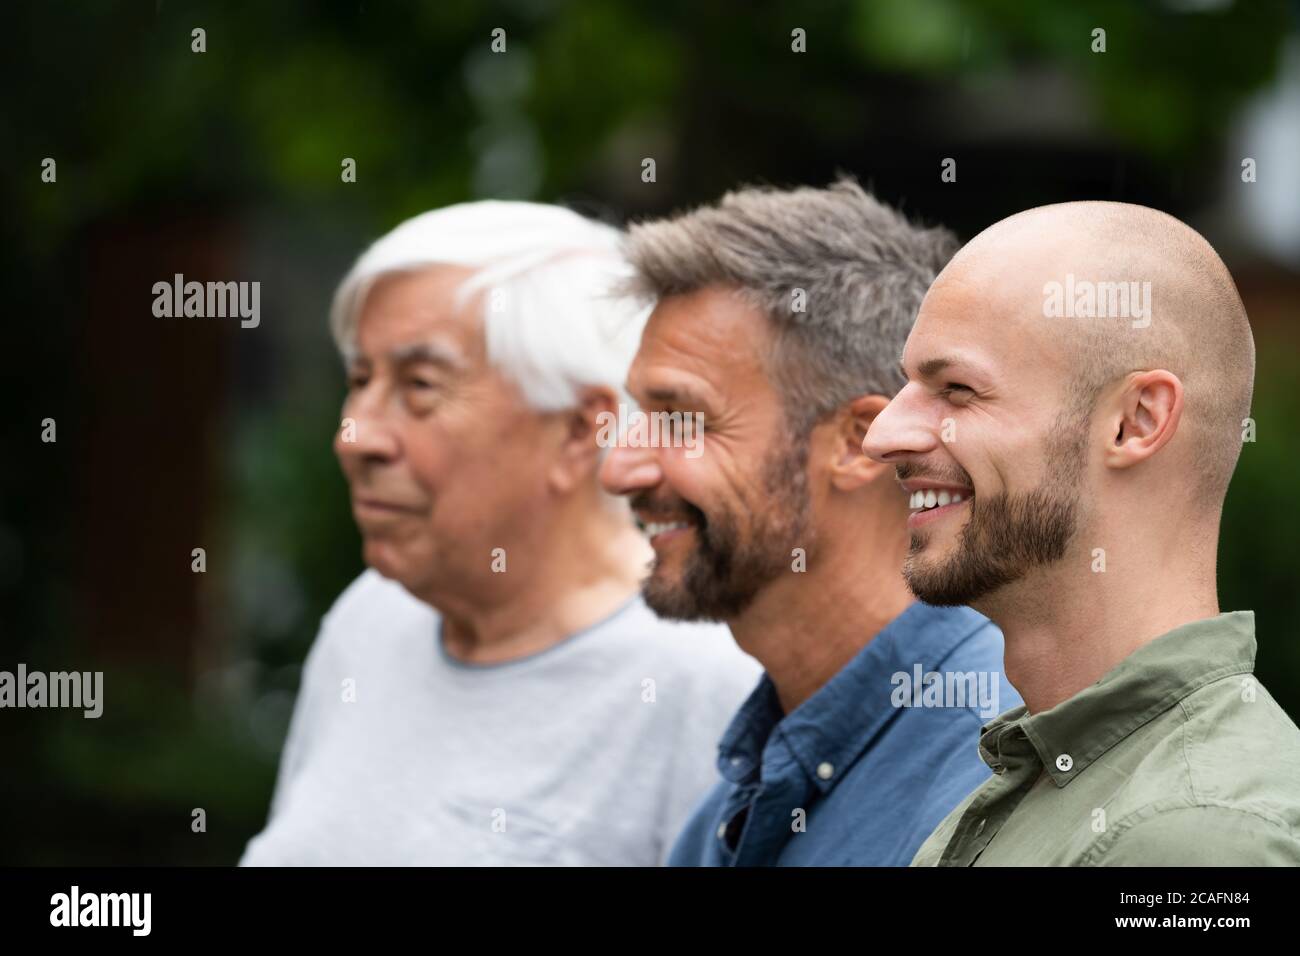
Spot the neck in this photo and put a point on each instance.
(805, 626)
(1065, 628)
(568, 575)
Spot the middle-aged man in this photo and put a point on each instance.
(1080, 375)
(541, 714)
(780, 317)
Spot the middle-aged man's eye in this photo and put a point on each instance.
(957, 393)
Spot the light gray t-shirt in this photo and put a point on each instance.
(592, 752)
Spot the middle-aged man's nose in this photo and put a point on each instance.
(898, 432)
(626, 471)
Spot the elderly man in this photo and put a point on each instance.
(780, 317)
(493, 690)
(1080, 375)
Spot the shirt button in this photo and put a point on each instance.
(1064, 762)
(825, 770)
(722, 831)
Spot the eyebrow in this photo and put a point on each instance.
(439, 353)
(671, 395)
(436, 352)
(930, 367)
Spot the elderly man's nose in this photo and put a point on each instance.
(898, 432)
(626, 471)
(361, 435)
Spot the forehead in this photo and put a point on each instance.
(709, 340)
(406, 308)
(987, 315)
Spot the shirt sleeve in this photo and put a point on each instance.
(1197, 836)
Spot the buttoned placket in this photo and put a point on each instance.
(767, 825)
(990, 810)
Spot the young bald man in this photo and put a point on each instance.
(1080, 374)
(779, 319)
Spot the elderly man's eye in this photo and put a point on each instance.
(422, 394)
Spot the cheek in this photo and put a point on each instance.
(1000, 456)
(428, 454)
(712, 481)
(688, 478)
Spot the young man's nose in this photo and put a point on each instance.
(625, 471)
(899, 431)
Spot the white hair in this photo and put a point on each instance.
(553, 321)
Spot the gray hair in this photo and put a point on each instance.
(861, 266)
(551, 320)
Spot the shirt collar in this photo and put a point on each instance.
(836, 724)
(1074, 733)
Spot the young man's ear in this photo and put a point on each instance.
(1143, 417)
(849, 467)
(582, 429)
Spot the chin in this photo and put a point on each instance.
(381, 558)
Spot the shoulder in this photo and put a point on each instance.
(1219, 783)
(372, 598)
(1196, 835)
(368, 619)
(1237, 742)
(698, 655)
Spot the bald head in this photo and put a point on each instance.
(1099, 290)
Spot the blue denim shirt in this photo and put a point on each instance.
(863, 770)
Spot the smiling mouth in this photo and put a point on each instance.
(655, 529)
(928, 499)
(932, 504)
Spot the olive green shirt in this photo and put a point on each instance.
(1177, 757)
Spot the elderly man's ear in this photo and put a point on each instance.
(849, 467)
(577, 457)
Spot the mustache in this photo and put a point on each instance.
(652, 507)
(957, 475)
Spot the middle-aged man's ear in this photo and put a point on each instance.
(578, 453)
(849, 467)
(1144, 418)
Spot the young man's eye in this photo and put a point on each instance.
(956, 392)
(357, 381)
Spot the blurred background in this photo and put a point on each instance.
(225, 165)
